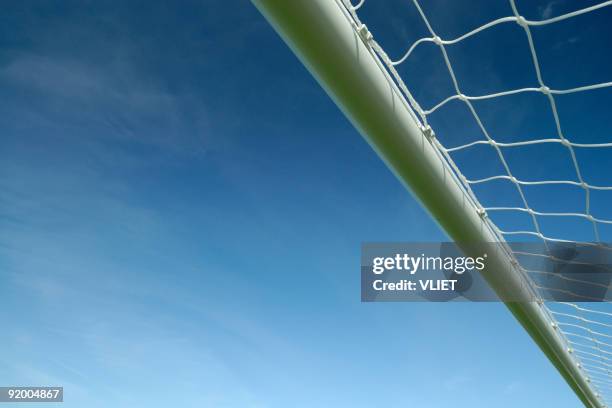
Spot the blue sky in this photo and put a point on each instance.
(182, 208)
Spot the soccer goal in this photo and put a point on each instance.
(375, 89)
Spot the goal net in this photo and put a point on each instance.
(502, 109)
(519, 107)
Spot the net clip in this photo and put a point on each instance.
(429, 132)
(365, 34)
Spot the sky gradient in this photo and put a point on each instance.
(182, 208)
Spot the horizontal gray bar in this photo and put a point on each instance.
(31, 394)
(441, 272)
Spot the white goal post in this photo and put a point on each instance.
(335, 49)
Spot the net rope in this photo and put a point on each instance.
(587, 332)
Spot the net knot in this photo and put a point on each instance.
(520, 20)
(437, 40)
(545, 90)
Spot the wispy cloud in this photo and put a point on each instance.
(546, 11)
(457, 381)
(513, 387)
(111, 99)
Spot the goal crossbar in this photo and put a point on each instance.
(336, 52)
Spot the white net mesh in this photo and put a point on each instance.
(586, 329)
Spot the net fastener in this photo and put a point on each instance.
(364, 33)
